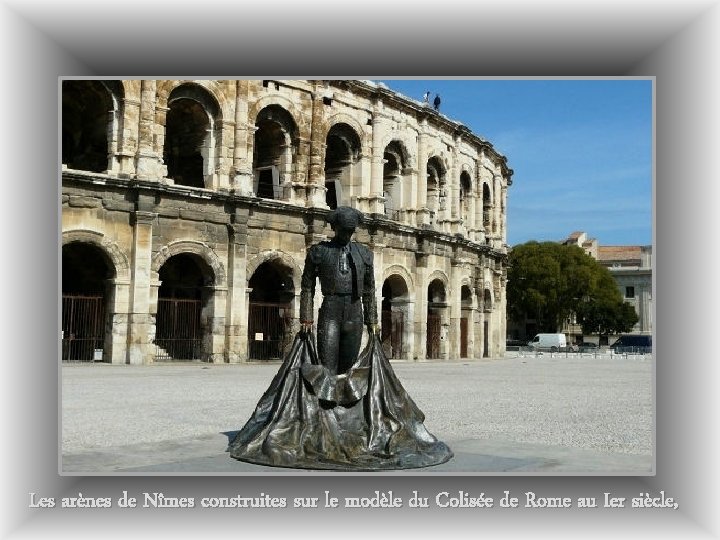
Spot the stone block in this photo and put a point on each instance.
(80, 201)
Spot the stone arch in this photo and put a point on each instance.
(401, 271)
(343, 148)
(210, 96)
(284, 103)
(115, 255)
(488, 299)
(276, 149)
(191, 143)
(344, 118)
(268, 256)
(398, 169)
(467, 295)
(194, 247)
(442, 276)
(397, 312)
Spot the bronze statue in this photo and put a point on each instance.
(334, 407)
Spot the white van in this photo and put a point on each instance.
(548, 342)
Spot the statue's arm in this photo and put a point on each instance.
(307, 289)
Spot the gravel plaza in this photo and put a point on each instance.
(531, 414)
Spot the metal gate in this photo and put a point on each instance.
(463, 338)
(83, 324)
(178, 335)
(433, 335)
(269, 330)
(393, 324)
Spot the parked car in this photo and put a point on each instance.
(588, 347)
(548, 342)
(632, 344)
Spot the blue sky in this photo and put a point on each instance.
(581, 151)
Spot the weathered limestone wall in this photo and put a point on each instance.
(140, 218)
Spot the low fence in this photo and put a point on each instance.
(571, 352)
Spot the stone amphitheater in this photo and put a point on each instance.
(188, 207)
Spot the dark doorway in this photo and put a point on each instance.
(433, 335)
(463, 338)
(437, 304)
(179, 331)
(265, 187)
(85, 275)
(270, 311)
(486, 340)
(392, 316)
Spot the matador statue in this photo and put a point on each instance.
(331, 405)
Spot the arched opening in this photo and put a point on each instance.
(394, 163)
(436, 188)
(487, 208)
(465, 197)
(189, 151)
(394, 316)
(275, 139)
(465, 320)
(183, 303)
(86, 291)
(342, 152)
(487, 308)
(436, 310)
(87, 110)
(270, 311)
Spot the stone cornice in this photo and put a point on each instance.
(224, 198)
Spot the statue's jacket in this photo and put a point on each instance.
(322, 262)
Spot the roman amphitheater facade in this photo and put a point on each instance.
(188, 207)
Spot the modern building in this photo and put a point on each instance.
(631, 266)
(188, 207)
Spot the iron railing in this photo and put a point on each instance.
(83, 327)
(178, 333)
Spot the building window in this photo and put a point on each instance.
(629, 292)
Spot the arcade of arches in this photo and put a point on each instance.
(188, 207)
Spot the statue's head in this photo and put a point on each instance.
(344, 220)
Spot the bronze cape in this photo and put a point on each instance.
(362, 420)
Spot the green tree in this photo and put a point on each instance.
(549, 282)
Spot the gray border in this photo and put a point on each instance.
(304, 473)
(675, 43)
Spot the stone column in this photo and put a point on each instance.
(479, 235)
(454, 298)
(213, 320)
(128, 143)
(376, 201)
(113, 136)
(497, 194)
(236, 309)
(472, 217)
(225, 154)
(316, 172)
(454, 189)
(242, 172)
(147, 161)
(421, 307)
(117, 339)
(141, 323)
(423, 213)
(480, 319)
